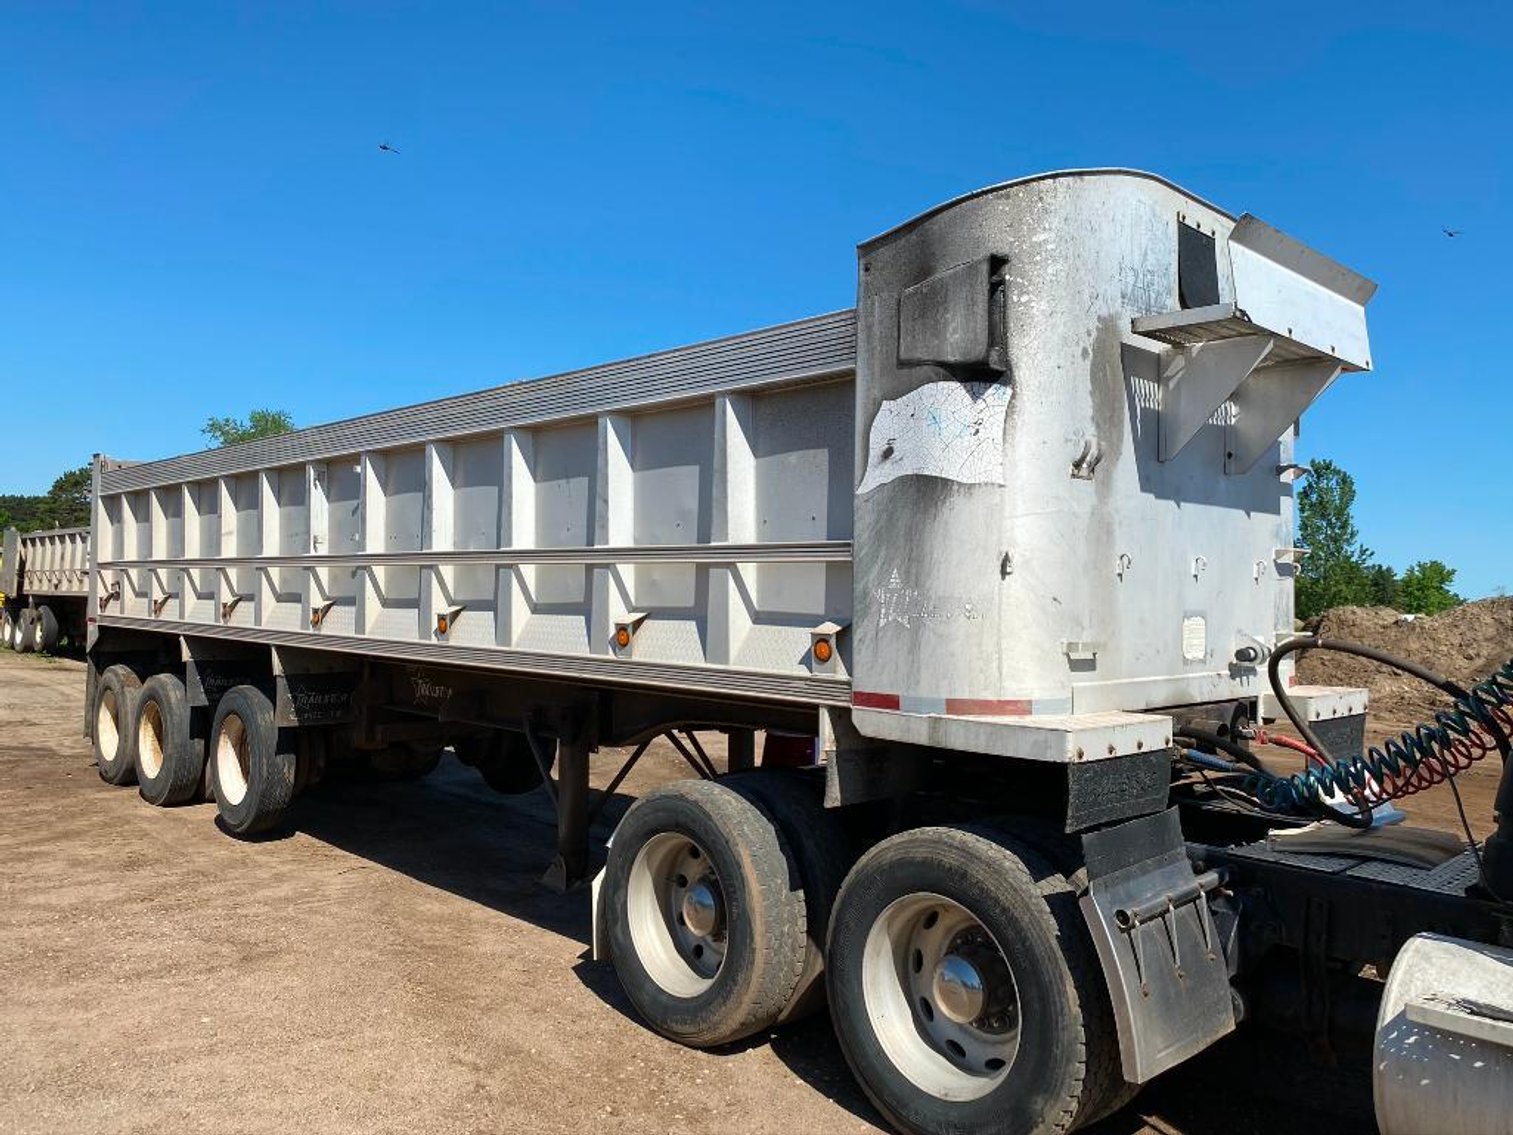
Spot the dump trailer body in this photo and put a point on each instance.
(1038, 486)
(45, 571)
(1006, 545)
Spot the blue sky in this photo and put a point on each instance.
(195, 218)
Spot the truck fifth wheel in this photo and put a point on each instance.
(1000, 565)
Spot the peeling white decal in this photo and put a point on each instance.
(943, 429)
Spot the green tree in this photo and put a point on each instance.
(67, 502)
(65, 505)
(259, 423)
(1425, 589)
(1336, 572)
(1384, 586)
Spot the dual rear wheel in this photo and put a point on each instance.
(962, 983)
(145, 733)
(965, 989)
(28, 630)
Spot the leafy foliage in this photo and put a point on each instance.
(1383, 586)
(1425, 588)
(259, 423)
(1340, 571)
(1337, 570)
(65, 505)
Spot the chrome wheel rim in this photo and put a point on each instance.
(676, 914)
(107, 726)
(941, 997)
(150, 740)
(233, 766)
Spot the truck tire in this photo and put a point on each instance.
(252, 762)
(24, 640)
(824, 854)
(503, 758)
(44, 630)
(7, 628)
(170, 759)
(115, 712)
(705, 913)
(965, 990)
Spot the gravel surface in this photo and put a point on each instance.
(388, 962)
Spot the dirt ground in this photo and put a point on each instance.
(389, 962)
(1466, 644)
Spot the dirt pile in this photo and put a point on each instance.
(1465, 645)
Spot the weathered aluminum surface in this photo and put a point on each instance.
(823, 346)
(1022, 550)
(1020, 540)
(813, 551)
(54, 562)
(1319, 703)
(10, 562)
(752, 685)
(1060, 738)
(1443, 1053)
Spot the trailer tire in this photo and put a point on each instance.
(252, 762)
(964, 988)
(823, 853)
(44, 630)
(684, 860)
(170, 758)
(24, 640)
(503, 758)
(115, 715)
(7, 628)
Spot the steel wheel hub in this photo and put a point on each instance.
(703, 908)
(958, 989)
(941, 997)
(675, 909)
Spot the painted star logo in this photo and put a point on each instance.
(894, 602)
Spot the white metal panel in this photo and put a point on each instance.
(1073, 568)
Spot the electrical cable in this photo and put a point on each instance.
(1428, 754)
(1261, 774)
(1477, 723)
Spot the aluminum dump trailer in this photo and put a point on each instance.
(990, 565)
(44, 587)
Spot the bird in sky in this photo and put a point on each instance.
(1447, 232)
(386, 148)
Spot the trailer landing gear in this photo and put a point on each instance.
(570, 869)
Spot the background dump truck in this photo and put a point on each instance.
(1004, 556)
(44, 588)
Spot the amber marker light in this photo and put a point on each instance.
(443, 624)
(823, 651)
(622, 637)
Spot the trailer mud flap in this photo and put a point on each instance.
(1165, 969)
